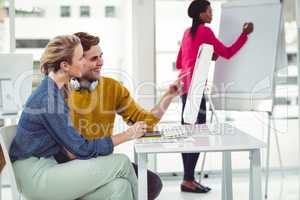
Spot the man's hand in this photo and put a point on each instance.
(163, 104)
(175, 88)
(137, 130)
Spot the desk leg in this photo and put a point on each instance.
(223, 184)
(142, 178)
(226, 177)
(250, 177)
(255, 173)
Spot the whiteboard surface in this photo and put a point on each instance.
(247, 77)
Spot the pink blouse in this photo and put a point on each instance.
(188, 51)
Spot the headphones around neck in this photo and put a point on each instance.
(76, 85)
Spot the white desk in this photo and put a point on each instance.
(226, 143)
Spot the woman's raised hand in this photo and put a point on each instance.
(248, 27)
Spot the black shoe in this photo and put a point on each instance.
(202, 186)
(196, 190)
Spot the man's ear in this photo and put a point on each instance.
(64, 66)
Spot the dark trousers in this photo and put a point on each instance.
(154, 183)
(190, 159)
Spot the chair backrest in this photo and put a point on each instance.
(7, 134)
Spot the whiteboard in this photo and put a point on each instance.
(282, 61)
(198, 83)
(246, 81)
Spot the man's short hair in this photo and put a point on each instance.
(87, 40)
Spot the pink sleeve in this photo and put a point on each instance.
(179, 59)
(222, 50)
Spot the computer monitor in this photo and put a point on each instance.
(16, 72)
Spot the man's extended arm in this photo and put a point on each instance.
(163, 104)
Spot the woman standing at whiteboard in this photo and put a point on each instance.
(194, 36)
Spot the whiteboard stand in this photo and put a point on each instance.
(280, 60)
(278, 150)
(268, 144)
(212, 107)
(268, 152)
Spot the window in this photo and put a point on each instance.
(34, 12)
(110, 11)
(65, 11)
(31, 43)
(84, 11)
(290, 80)
(282, 101)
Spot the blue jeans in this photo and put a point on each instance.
(190, 159)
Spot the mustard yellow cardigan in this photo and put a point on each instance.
(93, 113)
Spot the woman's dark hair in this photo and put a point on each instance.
(194, 10)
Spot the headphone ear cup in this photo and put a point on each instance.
(93, 85)
(74, 84)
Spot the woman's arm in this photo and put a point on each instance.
(56, 121)
(61, 130)
(222, 50)
(179, 59)
(135, 131)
